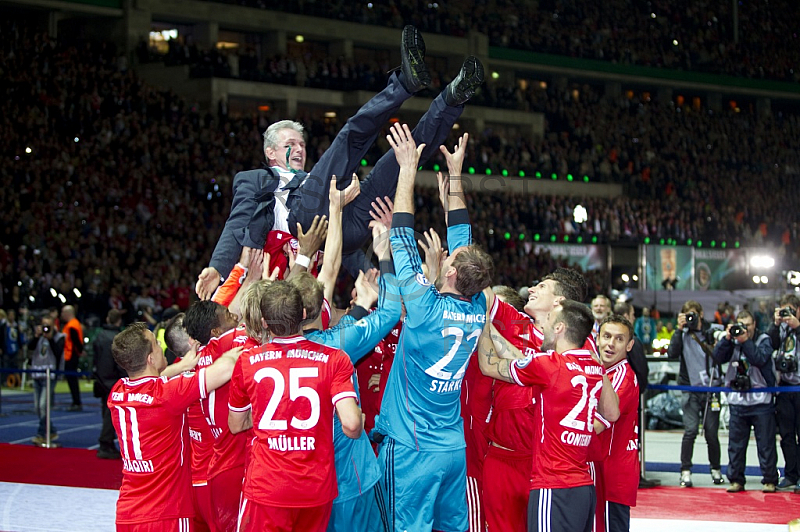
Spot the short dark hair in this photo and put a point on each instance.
(510, 296)
(131, 347)
(570, 284)
(312, 293)
(176, 337)
(745, 314)
(474, 267)
(691, 306)
(578, 319)
(114, 317)
(620, 320)
(201, 318)
(282, 308)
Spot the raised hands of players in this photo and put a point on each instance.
(254, 265)
(339, 198)
(380, 241)
(382, 210)
(455, 160)
(434, 254)
(207, 282)
(311, 241)
(276, 271)
(405, 147)
(366, 289)
(444, 191)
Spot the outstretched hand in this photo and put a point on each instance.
(339, 198)
(366, 289)
(455, 160)
(310, 242)
(434, 254)
(380, 240)
(405, 148)
(207, 282)
(382, 210)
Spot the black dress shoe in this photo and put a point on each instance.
(468, 80)
(415, 75)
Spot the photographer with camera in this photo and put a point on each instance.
(750, 368)
(46, 351)
(692, 343)
(784, 333)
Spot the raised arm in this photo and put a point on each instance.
(455, 160)
(407, 153)
(332, 260)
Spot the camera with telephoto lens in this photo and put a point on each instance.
(693, 321)
(741, 382)
(787, 312)
(738, 329)
(786, 363)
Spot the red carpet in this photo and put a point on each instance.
(78, 468)
(715, 504)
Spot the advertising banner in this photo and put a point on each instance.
(588, 258)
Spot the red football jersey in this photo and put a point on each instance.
(228, 450)
(291, 385)
(569, 387)
(202, 443)
(476, 403)
(511, 421)
(276, 240)
(620, 469)
(149, 415)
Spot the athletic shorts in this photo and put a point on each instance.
(254, 517)
(506, 489)
(203, 511)
(561, 510)
(176, 524)
(226, 495)
(424, 490)
(365, 513)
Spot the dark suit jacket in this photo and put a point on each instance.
(252, 215)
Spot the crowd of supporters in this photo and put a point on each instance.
(111, 186)
(758, 40)
(686, 163)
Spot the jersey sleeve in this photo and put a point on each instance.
(238, 400)
(417, 291)
(358, 338)
(627, 389)
(341, 380)
(459, 230)
(533, 370)
(225, 293)
(182, 390)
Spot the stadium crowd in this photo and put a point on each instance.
(105, 158)
(682, 35)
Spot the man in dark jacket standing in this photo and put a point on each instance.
(107, 372)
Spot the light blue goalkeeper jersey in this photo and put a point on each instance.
(421, 406)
